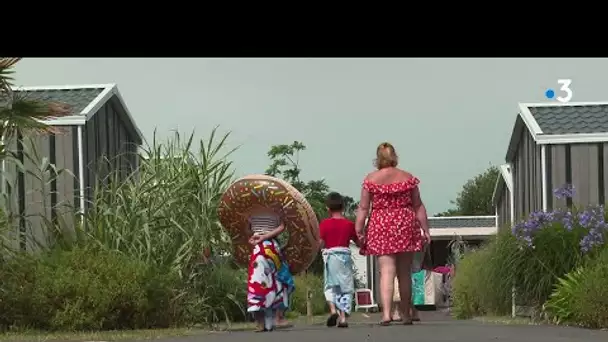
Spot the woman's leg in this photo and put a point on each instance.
(387, 264)
(404, 274)
(396, 301)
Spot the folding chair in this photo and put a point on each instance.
(364, 299)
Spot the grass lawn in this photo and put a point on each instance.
(98, 336)
(134, 335)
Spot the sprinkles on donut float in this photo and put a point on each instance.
(285, 201)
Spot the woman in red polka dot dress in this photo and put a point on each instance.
(397, 227)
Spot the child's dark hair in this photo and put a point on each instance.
(334, 202)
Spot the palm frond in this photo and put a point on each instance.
(6, 72)
(20, 112)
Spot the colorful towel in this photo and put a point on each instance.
(339, 277)
(270, 282)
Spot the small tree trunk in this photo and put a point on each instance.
(309, 305)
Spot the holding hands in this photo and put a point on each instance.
(360, 239)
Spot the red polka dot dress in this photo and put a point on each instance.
(392, 227)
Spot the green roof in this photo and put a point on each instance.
(83, 100)
(77, 99)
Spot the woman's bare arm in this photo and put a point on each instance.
(362, 212)
(420, 210)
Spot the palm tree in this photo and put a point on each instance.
(18, 114)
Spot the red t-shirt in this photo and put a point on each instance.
(337, 232)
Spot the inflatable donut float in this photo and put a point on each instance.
(288, 203)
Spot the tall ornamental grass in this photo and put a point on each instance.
(484, 278)
(166, 213)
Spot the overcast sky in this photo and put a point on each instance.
(448, 118)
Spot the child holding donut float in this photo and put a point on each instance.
(269, 281)
(255, 210)
(336, 232)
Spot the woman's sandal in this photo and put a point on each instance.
(342, 325)
(385, 323)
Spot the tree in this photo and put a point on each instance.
(19, 114)
(449, 212)
(285, 164)
(475, 198)
(350, 207)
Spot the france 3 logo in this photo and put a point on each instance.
(564, 88)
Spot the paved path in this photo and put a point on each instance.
(435, 327)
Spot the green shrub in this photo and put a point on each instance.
(303, 283)
(17, 283)
(553, 244)
(581, 297)
(485, 277)
(216, 292)
(85, 289)
(530, 258)
(561, 304)
(556, 252)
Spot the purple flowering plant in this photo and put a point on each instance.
(587, 227)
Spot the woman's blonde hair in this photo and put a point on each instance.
(386, 156)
